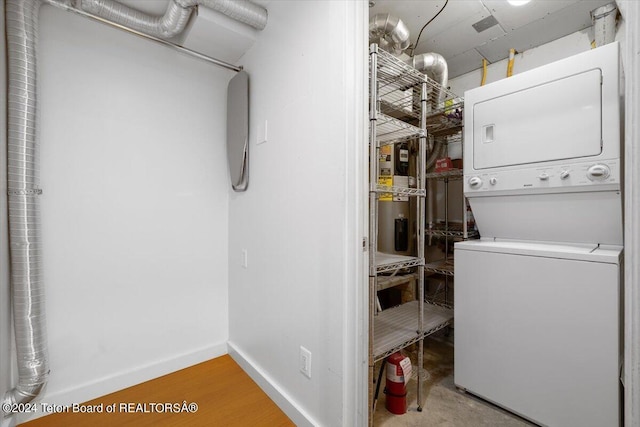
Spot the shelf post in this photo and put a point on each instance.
(373, 211)
(422, 183)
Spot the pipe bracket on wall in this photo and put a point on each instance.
(238, 131)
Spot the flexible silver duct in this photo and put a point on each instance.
(176, 16)
(435, 66)
(23, 190)
(389, 32)
(240, 10)
(166, 26)
(27, 290)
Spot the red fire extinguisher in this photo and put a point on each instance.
(398, 374)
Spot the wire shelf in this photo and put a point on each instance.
(444, 266)
(454, 229)
(442, 296)
(398, 84)
(391, 262)
(451, 232)
(401, 191)
(390, 130)
(453, 174)
(386, 282)
(397, 327)
(399, 94)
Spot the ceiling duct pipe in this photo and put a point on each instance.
(176, 16)
(23, 164)
(435, 66)
(389, 32)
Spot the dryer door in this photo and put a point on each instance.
(561, 119)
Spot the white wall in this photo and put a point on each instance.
(296, 220)
(630, 11)
(564, 47)
(134, 210)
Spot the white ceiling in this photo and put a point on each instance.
(452, 35)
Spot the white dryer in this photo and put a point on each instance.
(537, 299)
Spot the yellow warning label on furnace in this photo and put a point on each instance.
(387, 181)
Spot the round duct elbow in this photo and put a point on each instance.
(433, 65)
(389, 32)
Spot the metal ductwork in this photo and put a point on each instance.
(604, 23)
(27, 289)
(168, 25)
(176, 16)
(389, 32)
(435, 66)
(23, 190)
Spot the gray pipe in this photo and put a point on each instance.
(27, 290)
(168, 25)
(435, 66)
(176, 16)
(240, 10)
(389, 32)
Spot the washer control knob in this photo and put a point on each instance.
(598, 172)
(475, 182)
(564, 174)
(493, 180)
(544, 176)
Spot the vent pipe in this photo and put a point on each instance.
(604, 23)
(389, 32)
(435, 66)
(23, 189)
(27, 290)
(176, 16)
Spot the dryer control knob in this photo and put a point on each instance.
(475, 182)
(564, 174)
(493, 180)
(598, 172)
(543, 176)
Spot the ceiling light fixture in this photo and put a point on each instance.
(518, 2)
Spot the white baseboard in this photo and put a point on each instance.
(284, 401)
(136, 375)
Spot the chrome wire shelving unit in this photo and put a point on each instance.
(446, 131)
(400, 100)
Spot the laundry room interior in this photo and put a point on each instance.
(383, 212)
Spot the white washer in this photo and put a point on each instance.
(537, 329)
(537, 299)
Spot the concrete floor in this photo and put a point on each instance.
(443, 404)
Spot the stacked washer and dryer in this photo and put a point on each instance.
(538, 308)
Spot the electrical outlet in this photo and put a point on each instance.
(245, 259)
(305, 362)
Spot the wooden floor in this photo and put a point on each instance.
(223, 393)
